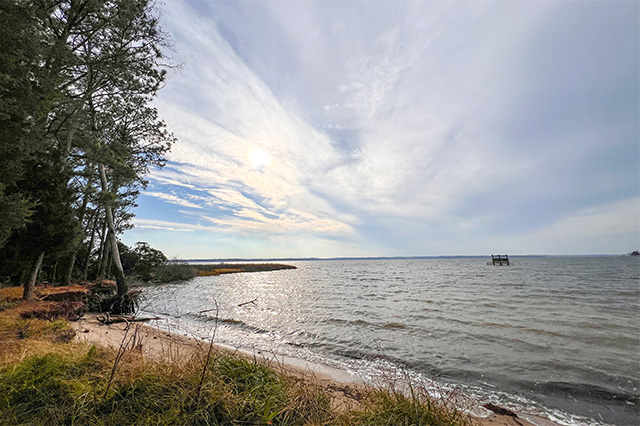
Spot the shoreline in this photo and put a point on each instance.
(158, 344)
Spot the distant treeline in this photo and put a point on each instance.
(77, 133)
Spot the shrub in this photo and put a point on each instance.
(172, 272)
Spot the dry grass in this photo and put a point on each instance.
(11, 293)
(231, 268)
(46, 379)
(15, 293)
(218, 271)
(24, 337)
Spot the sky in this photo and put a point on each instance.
(412, 128)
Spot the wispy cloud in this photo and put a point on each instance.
(171, 198)
(167, 226)
(395, 127)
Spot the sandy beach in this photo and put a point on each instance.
(157, 344)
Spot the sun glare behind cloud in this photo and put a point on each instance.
(258, 158)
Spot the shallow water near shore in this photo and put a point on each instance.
(552, 336)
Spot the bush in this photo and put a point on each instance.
(142, 261)
(172, 272)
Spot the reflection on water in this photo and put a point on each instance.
(561, 333)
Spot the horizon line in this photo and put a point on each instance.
(471, 256)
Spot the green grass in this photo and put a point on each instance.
(390, 407)
(55, 389)
(47, 380)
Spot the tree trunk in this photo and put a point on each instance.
(31, 284)
(122, 286)
(105, 255)
(55, 272)
(93, 237)
(107, 269)
(66, 280)
(103, 243)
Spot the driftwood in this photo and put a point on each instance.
(252, 302)
(500, 410)
(108, 319)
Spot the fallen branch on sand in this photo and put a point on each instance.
(500, 410)
(108, 319)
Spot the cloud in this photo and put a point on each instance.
(168, 226)
(406, 125)
(173, 199)
(622, 217)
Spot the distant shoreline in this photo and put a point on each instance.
(234, 268)
(193, 262)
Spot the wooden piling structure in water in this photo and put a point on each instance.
(499, 259)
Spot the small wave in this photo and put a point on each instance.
(364, 323)
(353, 354)
(243, 325)
(335, 321)
(199, 317)
(500, 325)
(584, 391)
(395, 325)
(420, 300)
(521, 327)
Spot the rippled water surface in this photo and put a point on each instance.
(552, 336)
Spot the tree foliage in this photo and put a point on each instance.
(142, 261)
(76, 81)
(23, 102)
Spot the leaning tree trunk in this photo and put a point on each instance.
(91, 241)
(101, 249)
(122, 286)
(107, 266)
(104, 258)
(66, 280)
(31, 284)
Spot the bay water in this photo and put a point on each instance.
(557, 337)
